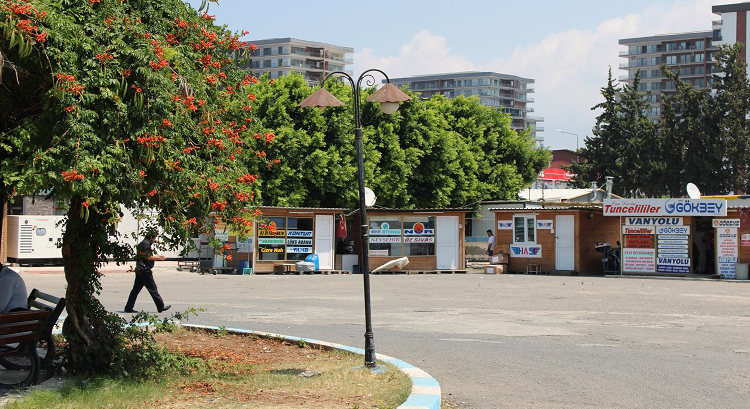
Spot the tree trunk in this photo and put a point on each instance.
(89, 329)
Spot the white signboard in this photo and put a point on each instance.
(267, 240)
(245, 246)
(299, 242)
(638, 260)
(638, 229)
(385, 239)
(653, 221)
(299, 233)
(505, 224)
(682, 230)
(673, 264)
(673, 251)
(544, 224)
(385, 232)
(726, 223)
(727, 249)
(663, 241)
(665, 207)
(526, 250)
(379, 253)
(427, 239)
(299, 249)
(223, 236)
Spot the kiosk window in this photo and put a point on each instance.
(385, 236)
(524, 229)
(272, 242)
(299, 238)
(419, 236)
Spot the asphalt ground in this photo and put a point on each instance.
(495, 341)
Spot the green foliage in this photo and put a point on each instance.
(703, 137)
(430, 153)
(124, 103)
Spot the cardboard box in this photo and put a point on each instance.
(499, 259)
(496, 269)
(503, 248)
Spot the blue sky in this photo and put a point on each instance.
(566, 47)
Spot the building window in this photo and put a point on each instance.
(267, 51)
(266, 63)
(699, 57)
(402, 236)
(386, 236)
(671, 59)
(280, 51)
(655, 86)
(291, 239)
(654, 111)
(524, 228)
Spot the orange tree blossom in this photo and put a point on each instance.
(114, 104)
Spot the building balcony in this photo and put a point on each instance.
(539, 129)
(717, 22)
(535, 118)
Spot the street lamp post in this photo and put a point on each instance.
(571, 133)
(389, 97)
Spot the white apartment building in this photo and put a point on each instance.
(311, 59)
(508, 93)
(690, 54)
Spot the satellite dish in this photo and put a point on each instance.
(399, 262)
(369, 197)
(693, 191)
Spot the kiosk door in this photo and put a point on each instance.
(324, 241)
(565, 257)
(446, 242)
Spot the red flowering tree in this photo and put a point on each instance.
(123, 103)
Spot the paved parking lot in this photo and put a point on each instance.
(499, 341)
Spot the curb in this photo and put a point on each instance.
(685, 278)
(425, 390)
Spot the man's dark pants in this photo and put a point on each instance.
(144, 279)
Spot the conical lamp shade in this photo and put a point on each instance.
(321, 98)
(389, 93)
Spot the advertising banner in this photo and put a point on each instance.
(272, 233)
(299, 249)
(299, 242)
(544, 224)
(526, 250)
(673, 265)
(385, 239)
(299, 233)
(653, 221)
(664, 240)
(727, 250)
(385, 232)
(725, 223)
(505, 224)
(665, 207)
(267, 241)
(428, 239)
(638, 260)
(245, 246)
(746, 239)
(379, 253)
(639, 241)
(683, 230)
(638, 229)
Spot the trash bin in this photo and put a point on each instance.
(243, 267)
(314, 259)
(741, 271)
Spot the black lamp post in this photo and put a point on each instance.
(389, 97)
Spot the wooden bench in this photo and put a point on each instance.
(45, 302)
(19, 334)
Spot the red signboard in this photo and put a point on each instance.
(556, 174)
(639, 241)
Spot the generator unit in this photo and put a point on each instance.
(34, 239)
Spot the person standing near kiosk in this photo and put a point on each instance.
(490, 243)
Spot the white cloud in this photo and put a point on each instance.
(569, 67)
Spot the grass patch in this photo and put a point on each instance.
(238, 371)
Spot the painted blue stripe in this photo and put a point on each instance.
(399, 363)
(476, 238)
(430, 401)
(424, 381)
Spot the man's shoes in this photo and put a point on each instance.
(166, 307)
(130, 311)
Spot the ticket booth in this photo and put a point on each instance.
(675, 236)
(296, 233)
(432, 239)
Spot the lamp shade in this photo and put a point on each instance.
(320, 98)
(389, 93)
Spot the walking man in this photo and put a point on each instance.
(490, 243)
(144, 275)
